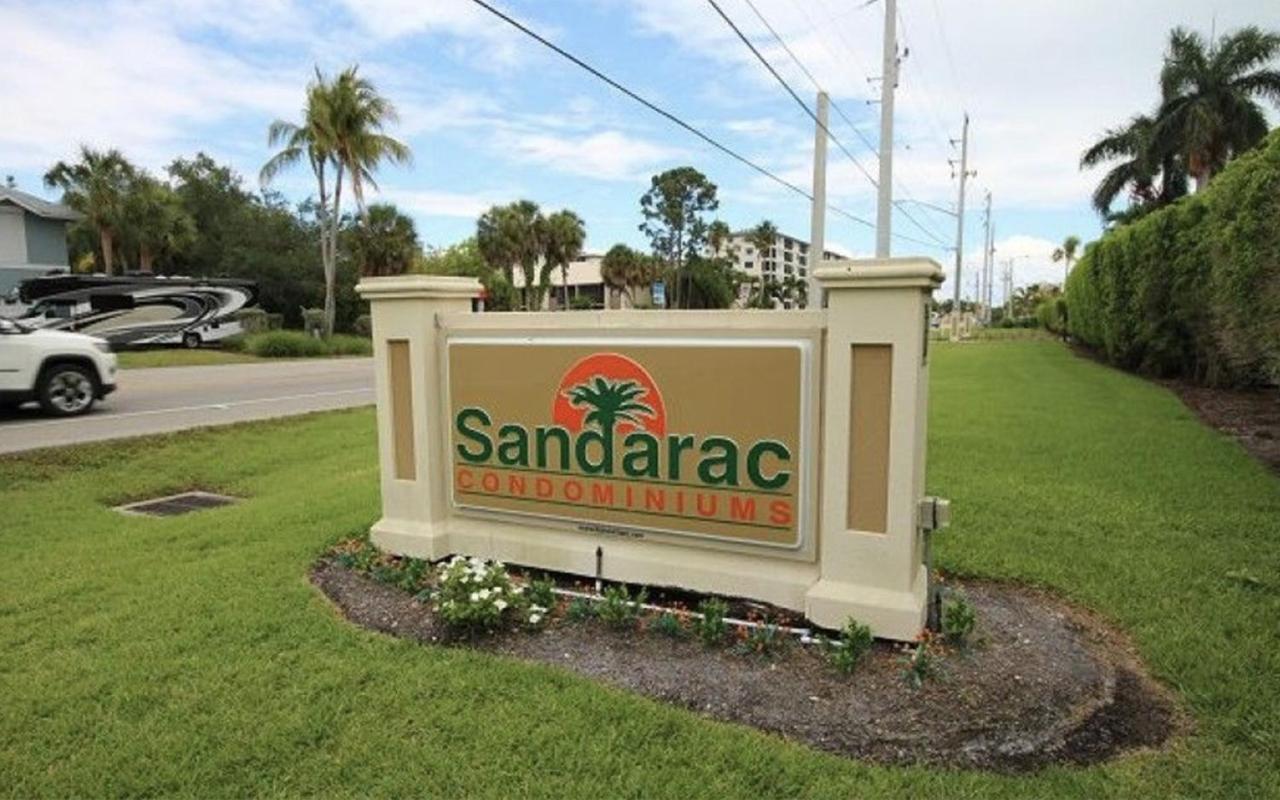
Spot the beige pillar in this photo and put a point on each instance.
(875, 394)
(410, 385)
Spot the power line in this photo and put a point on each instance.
(803, 105)
(816, 85)
(666, 114)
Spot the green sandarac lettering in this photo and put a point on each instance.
(477, 436)
(591, 452)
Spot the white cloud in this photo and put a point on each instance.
(139, 85)
(429, 203)
(607, 155)
(477, 35)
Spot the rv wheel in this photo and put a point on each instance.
(191, 340)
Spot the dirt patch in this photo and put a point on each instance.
(1250, 416)
(1044, 684)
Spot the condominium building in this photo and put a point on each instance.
(786, 257)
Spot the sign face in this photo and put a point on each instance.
(692, 438)
(659, 294)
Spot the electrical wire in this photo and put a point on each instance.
(654, 107)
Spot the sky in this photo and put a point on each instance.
(492, 116)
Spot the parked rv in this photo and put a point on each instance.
(138, 311)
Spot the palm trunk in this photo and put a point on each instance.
(564, 274)
(108, 256)
(331, 268)
(144, 259)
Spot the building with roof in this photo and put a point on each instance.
(33, 242)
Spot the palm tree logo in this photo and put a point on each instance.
(610, 402)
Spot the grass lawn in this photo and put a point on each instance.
(181, 357)
(191, 657)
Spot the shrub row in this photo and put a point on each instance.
(1192, 290)
(296, 344)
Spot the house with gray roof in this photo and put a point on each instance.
(33, 241)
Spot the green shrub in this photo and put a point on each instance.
(275, 322)
(580, 609)
(669, 624)
(473, 595)
(542, 592)
(296, 344)
(285, 344)
(917, 665)
(1193, 289)
(619, 609)
(852, 645)
(252, 320)
(711, 627)
(363, 326)
(959, 618)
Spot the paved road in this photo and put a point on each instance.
(165, 399)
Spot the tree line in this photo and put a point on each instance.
(1208, 113)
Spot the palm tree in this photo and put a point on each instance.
(1210, 111)
(611, 402)
(510, 236)
(386, 243)
(1152, 174)
(313, 140)
(718, 235)
(1066, 254)
(627, 270)
(563, 240)
(764, 237)
(357, 117)
(155, 222)
(97, 186)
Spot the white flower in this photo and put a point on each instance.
(534, 619)
(518, 590)
(535, 609)
(475, 597)
(501, 605)
(484, 594)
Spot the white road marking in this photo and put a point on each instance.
(216, 406)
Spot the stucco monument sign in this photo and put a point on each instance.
(777, 456)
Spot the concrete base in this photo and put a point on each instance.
(405, 537)
(890, 614)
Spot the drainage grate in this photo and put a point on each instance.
(176, 504)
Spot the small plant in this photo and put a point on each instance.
(711, 627)
(537, 616)
(668, 624)
(848, 649)
(618, 609)
(580, 609)
(765, 638)
(542, 592)
(918, 663)
(958, 619)
(475, 596)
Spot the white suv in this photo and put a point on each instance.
(64, 372)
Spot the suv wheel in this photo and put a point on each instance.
(191, 340)
(67, 389)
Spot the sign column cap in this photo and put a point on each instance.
(422, 287)
(879, 273)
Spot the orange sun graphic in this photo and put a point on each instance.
(614, 368)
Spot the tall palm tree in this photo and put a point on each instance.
(1152, 174)
(357, 116)
(765, 237)
(386, 243)
(513, 236)
(1066, 254)
(1210, 111)
(313, 140)
(718, 235)
(564, 236)
(155, 222)
(97, 186)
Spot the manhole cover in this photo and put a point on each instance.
(176, 504)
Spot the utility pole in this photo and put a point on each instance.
(991, 269)
(964, 176)
(1008, 288)
(817, 222)
(888, 82)
(983, 303)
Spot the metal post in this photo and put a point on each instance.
(991, 270)
(964, 176)
(888, 82)
(817, 222)
(983, 302)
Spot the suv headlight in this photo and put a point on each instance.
(102, 345)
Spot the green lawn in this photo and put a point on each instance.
(191, 657)
(176, 357)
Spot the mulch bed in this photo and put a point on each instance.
(1250, 416)
(1044, 683)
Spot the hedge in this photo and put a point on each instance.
(1191, 290)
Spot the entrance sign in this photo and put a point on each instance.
(682, 437)
(772, 455)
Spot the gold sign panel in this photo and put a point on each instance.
(634, 436)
